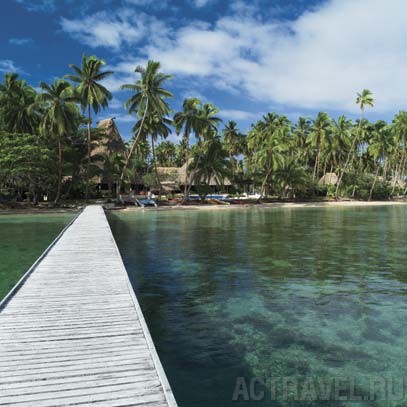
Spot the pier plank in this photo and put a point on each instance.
(72, 331)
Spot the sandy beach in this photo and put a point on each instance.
(288, 205)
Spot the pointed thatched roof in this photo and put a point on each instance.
(108, 142)
(111, 140)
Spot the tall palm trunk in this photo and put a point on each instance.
(157, 178)
(187, 187)
(131, 152)
(316, 165)
(265, 180)
(350, 155)
(89, 153)
(374, 181)
(189, 179)
(400, 167)
(60, 164)
(386, 163)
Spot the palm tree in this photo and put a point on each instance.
(267, 145)
(209, 162)
(92, 94)
(197, 119)
(188, 120)
(400, 132)
(380, 145)
(19, 110)
(341, 140)
(290, 175)
(113, 163)
(149, 99)
(156, 126)
(319, 138)
(166, 154)
(363, 99)
(301, 133)
(60, 117)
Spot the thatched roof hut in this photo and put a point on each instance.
(108, 142)
(172, 178)
(330, 178)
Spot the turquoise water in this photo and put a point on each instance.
(308, 294)
(22, 240)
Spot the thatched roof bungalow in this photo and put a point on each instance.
(174, 178)
(108, 142)
(330, 178)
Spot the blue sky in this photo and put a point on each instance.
(295, 57)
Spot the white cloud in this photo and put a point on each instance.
(123, 73)
(201, 3)
(7, 65)
(38, 5)
(232, 114)
(318, 61)
(194, 93)
(20, 41)
(123, 118)
(111, 30)
(150, 3)
(115, 104)
(119, 118)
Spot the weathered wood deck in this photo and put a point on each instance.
(74, 334)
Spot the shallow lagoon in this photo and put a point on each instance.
(22, 240)
(295, 293)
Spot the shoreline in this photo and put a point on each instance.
(284, 205)
(265, 205)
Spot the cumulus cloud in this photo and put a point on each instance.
(318, 61)
(112, 30)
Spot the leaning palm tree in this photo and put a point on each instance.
(363, 99)
(92, 95)
(61, 117)
(149, 98)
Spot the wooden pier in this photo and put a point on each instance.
(72, 332)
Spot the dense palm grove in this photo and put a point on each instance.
(47, 138)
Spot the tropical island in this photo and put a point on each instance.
(53, 148)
